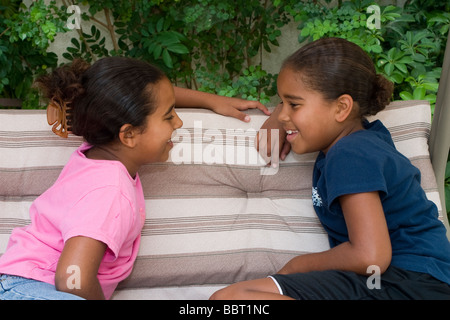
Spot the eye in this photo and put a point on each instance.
(170, 117)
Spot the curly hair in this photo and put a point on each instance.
(103, 97)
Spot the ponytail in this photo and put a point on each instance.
(62, 88)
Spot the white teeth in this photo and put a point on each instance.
(291, 131)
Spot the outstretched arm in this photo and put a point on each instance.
(226, 106)
(369, 242)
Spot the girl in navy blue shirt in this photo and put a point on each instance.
(366, 194)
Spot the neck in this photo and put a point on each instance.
(346, 130)
(111, 153)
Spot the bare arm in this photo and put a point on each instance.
(85, 254)
(369, 241)
(226, 106)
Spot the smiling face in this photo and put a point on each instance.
(154, 143)
(307, 117)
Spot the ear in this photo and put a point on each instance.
(128, 135)
(344, 107)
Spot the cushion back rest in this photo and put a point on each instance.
(215, 213)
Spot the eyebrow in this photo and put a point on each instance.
(169, 111)
(292, 97)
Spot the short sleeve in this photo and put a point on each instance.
(355, 168)
(103, 214)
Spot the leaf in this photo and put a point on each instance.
(157, 51)
(67, 56)
(396, 77)
(431, 86)
(159, 25)
(419, 93)
(376, 48)
(167, 38)
(72, 50)
(178, 48)
(388, 68)
(167, 59)
(401, 67)
(75, 43)
(447, 173)
(405, 95)
(405, 59)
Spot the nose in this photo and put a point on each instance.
(178, 123)
(283, 116)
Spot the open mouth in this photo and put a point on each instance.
(291, 134)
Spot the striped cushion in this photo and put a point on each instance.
(215, 214)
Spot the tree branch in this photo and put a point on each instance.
(111, 30)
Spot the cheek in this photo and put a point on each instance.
(153, 146)
(157, 147)
(300, 121)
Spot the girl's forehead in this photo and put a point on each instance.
(164, 95)
(289, 78)
(291, 75)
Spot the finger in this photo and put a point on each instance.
(239, 115)
(285, 150)
(257, 141)
(264, 144)
(263, 108)
(249, 104)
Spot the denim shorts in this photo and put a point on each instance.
(18, 288)
(395, 284)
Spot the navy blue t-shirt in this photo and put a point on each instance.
(367, 161)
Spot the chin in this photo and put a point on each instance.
(164, 157)
(300, 150)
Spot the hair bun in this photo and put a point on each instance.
(381, 94)
(64, 83)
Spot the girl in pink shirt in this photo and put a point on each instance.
(85, 230)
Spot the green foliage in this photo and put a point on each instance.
(25, 34)
(201, 44)
(447, 186)
(407, 47)
(216, 46)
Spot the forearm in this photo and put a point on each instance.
(342, 257)
(225, 106)
(192, 99)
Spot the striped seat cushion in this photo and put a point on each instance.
(215, 213)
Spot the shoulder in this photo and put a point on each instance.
(87, 174)
(363, 157)
(83, 181)
(370, 144)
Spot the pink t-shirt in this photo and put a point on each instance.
(91, 198)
